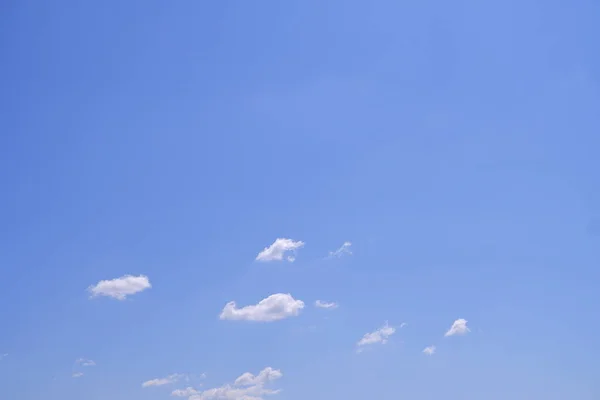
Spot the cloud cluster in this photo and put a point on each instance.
(280, 248)
(246, 387)
(275, 307)
(120, 288)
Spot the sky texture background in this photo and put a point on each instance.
(454, 146)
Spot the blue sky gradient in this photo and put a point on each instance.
(455, 144)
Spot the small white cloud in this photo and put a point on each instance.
(381, 335)
(279, 249)
(325, 304)
(430, 350)
(344, 249)
(82, 362)
(246, 387)
(3, 356)
(273, 308)
(85, 363)
(459, 327)
(163, 381)
(120, 288)
(402, 325)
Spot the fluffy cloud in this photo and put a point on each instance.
(120, 288)
(246, 387)
(325, 304)
(381, 335)
(264, 376)
(430, 350)
(85, 363)
(163, 381)
(279, 249)
(344, 249)
(459, 327)
(275, 307)
(77, 374)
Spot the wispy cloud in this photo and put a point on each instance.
(459, 327)
(430, 350)
(82, 362)
(266, 375)
(85, 363)
(324, 304)
(120, 288)
(280, 248)
(246, 387)
(343, 250)
(273, 308)
(187, 392)
(380, 335)
(163, 381)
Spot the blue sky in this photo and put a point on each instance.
(151, 150)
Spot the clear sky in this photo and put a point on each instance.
(152, 153)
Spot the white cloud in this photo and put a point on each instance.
(3, 356)
(273, 308)
(344, 249)
(459, 327)
(325, 304)
(381, 335)
(278, 250)
(120, 288)
(246, 387)
(264, 376)
(85, 363)
(82, 362)
(430, 350)
(189, 391)
(163, 381)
